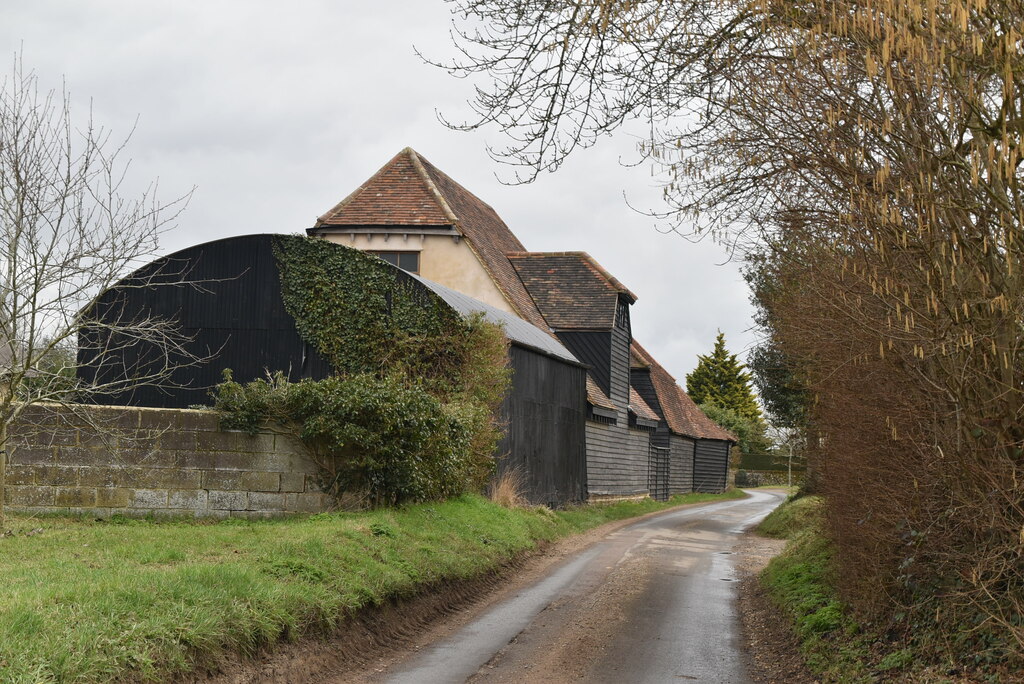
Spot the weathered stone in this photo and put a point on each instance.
(172, 478)
(99, 440)
(191, 499)
(149, 498)
(307, 503)
(293, 482)
(236, 479)
(81, 456)
(265, 502)
(221, 441)
(228, 501)
(178, 440)
(30, 455)
(270, 462)
(53, 476)
(105, 477)
(20, 475)
(74, 496)
(110, 497)
(232, 461)
(194, 421)
(108, 418)
(195, 460)
(160, 420)
(28, 496)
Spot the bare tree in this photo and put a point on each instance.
(68, 234)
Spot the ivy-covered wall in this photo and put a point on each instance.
(411, 411)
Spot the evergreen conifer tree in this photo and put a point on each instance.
(721, 379)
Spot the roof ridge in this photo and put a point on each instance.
(417, 164)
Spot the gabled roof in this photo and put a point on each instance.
(398, 194)
(682, 415)
(571, 289)
(410, 191)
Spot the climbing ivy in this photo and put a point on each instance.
(366, 316)
(411, 413)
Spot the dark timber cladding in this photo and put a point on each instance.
(680, 476)
(593, 349)
(711, 465)
(230, 308)
(545, 411)
(545, 414)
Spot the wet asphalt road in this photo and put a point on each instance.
(651, 602)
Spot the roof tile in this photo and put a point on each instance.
(571, 289)
(682, 415)
(409, 190)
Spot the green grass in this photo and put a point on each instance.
(89, 601)
(794, 516)
(801, 582)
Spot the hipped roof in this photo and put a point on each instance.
(410, 191)
(680, 413)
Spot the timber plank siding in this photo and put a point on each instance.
(710, 465)
(680, 465)
(618, 459)
(593, 349)
(230, 309)
(544, 415)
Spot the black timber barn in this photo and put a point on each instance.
(226, 298)
(637, 443)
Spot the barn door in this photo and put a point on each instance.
(657, 473)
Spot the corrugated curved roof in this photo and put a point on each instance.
(516, 329)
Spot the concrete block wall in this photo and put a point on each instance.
(138, 461)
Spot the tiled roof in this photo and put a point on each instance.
(397, 194)
(489, 237)
(597, 397)
(682, 415)
(409, 190)
(571, 290)
(638, 406)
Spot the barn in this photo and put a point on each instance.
(226, 298)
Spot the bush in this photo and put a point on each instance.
(381, 437)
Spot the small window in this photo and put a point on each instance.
(407, 261)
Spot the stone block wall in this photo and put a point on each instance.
(138, 461)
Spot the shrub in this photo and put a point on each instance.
(381, 437)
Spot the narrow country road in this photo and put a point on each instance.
(651, 602)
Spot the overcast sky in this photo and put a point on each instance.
(275, 111)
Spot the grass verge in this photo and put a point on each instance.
(801, 582)
(91, 601)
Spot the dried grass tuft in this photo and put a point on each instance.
(506, 489)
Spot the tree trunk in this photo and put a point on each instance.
(3, 474)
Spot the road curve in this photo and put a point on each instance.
(651, 602)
